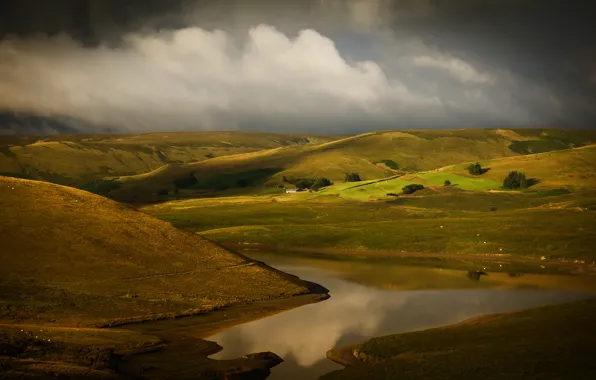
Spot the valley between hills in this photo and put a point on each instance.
(106, 239)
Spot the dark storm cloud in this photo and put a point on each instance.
(316, 65)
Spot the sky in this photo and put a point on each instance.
(310, 66)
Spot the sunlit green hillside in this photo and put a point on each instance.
(372, 156)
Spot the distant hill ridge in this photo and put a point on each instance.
(77, 159)
(366, 154)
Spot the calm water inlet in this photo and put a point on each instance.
(369, 300)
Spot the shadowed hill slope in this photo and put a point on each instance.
(77, 159)
(372, 155)
(71, 257)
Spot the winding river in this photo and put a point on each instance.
(375, 299)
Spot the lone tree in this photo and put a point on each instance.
(353, 177)
(515, 180)
(475, 169)
(447, 183)
(412, 188)
(320, 183)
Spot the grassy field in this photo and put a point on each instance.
(374, 190)
(435, 221)
(367, 154)
(543, 343)
(77, 159)
(72, 258)
(472, 216)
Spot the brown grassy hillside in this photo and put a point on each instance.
(71, 257)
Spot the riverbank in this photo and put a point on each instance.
(547, 342)
(569, 267)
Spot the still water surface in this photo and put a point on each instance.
(369, 300)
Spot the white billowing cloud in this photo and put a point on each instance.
(193, 79)
(458, 68)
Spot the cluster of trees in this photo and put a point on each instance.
(412, 188)
(313, 184)
(320, 183)
(516, 180)
(476, 169)
(353, 177)
(305, 183)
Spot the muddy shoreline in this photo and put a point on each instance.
(162, 349)
(185, 352)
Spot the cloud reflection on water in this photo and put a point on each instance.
(357, 312)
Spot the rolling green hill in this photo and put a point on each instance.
(74, 258)
(570, 168)
(75, 160)
(372, 155)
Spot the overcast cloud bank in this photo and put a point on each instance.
(196, 79)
